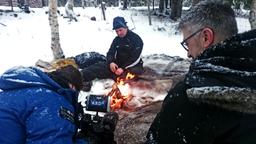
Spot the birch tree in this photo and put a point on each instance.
(83, 5)
(103, 8)
(55, 37)
(149, 13)
(252, 17)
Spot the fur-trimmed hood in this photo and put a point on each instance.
(225, 74)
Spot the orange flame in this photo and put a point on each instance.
(120, 91)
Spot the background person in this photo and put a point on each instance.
(215, 104)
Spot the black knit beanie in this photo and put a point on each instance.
(67, 74)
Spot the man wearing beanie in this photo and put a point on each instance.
(39, 107)
(122, 57)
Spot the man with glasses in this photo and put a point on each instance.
(184, 42)
(215, 104)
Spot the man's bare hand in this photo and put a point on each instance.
(119, 71)
(113, 67)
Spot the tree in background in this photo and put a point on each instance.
(69, 9)
(125, 4)
(176, 9)
(166, 3)
(103, 8)
(252, 17)
(161, 6)
(55, 37)
(149, 13)
(83, 3)
(11, 4)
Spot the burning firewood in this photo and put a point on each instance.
(120, 91)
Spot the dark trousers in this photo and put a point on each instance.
(101, 70)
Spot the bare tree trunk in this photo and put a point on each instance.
(153, 4)
(55, 37)
(176, 9)
(43, 3)
(161, 6)
(83, 6)
(149, 13)
(129, 3)
(252, 17)
(119, 3)
(69, 6)
(10, 2)
(125, 5)
(166, 4)
(103, 9)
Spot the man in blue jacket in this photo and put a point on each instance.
(122, 57)
(38, 107)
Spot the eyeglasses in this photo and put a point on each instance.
(184, 42)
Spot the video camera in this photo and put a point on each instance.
(97, 129)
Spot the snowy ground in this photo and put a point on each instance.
(26, 38)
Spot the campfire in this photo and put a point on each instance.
(120, 92)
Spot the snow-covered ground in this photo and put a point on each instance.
(26, 38)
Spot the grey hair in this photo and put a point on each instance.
(216, 15)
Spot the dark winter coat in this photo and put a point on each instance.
(126, 51)
(35, 109)
(87, 59)
(216, 104)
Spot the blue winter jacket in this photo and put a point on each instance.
(34, 108)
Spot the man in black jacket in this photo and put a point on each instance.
(122, 57)
(215, 104)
